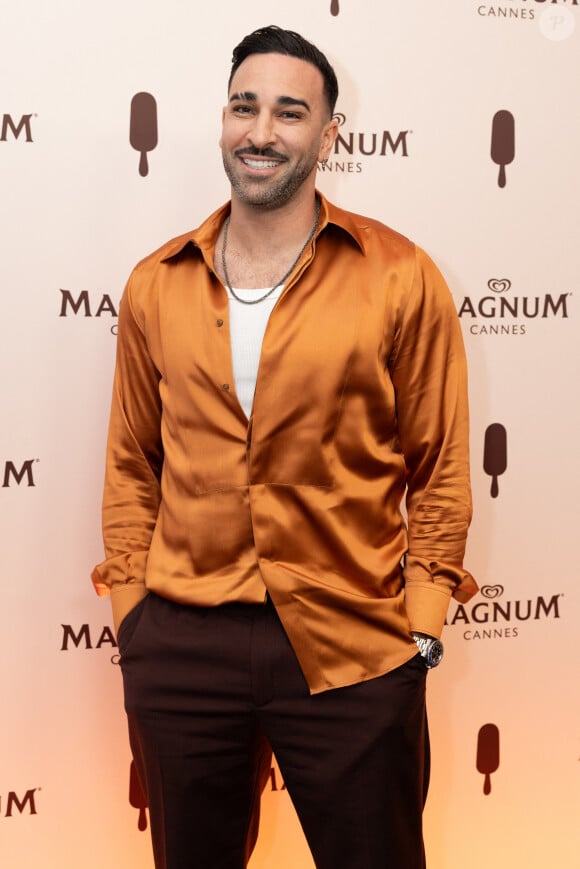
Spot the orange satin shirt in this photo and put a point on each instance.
(360, 396)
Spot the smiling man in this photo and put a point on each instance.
(286, 373)
(260, 174)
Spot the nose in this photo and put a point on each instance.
(261, 133)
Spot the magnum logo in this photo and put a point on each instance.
(12, 802)
(143, 128)
(84, 306)
(500, 306)
(495, 619)
(13, 129)
(499, 285)
(487, 760)
(492, 591)
(379, 144)
(18, 475)
(81, 638)
(495, 454)
(355, 145)
(503, 142)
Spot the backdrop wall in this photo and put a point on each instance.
(435, 97)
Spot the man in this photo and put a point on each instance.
(284, 374)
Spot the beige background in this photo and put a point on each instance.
(76, 216)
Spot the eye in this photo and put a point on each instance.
(242, 109)
(289, 115)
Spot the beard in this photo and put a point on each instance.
(268, 193)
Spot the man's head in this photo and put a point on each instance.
(275, 40)
(278, 123)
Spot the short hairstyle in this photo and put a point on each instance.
(275, 40)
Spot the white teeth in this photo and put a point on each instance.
(260, 164)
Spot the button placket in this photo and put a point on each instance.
(219, 323)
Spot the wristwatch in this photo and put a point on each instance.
(431, 649)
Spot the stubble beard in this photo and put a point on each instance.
(266, 193)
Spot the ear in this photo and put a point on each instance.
(223, 119)
(327, 140)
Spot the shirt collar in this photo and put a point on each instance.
(205, 236)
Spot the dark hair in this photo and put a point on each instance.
(275, 40)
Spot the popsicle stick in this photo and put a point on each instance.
(143, 164)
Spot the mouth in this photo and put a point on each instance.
(253, 163)
(260, 162)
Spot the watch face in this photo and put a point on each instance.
(435, 654)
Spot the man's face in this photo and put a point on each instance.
(275, 129)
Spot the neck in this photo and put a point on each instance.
(266, 248)
(271, 230)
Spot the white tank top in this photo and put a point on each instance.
(247, 326)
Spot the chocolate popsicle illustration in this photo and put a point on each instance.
(487, 753)
(495, 454)
(137, 798)
(334, 9)
(503, 144)
(143, 127)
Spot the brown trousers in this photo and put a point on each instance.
(207, 691)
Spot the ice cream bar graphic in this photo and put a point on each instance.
(487, 754)
(503, 143)
(495, 454)
(143, 128)
(137, 798)
(334, 8)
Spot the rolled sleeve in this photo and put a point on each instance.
(133, 462)
(429, 372)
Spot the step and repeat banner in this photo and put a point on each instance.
(460, 127)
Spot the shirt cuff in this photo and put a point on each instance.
(426, 605)
(123, 569)
(124, 598)
(429, 586)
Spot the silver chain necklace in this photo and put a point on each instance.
(283, 279)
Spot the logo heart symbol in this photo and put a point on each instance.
(498, 285)
(492, 591)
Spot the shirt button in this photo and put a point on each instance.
(225, 387)
(219, 322)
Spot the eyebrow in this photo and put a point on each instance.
(250, 97)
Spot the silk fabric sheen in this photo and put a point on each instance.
(361, 394)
